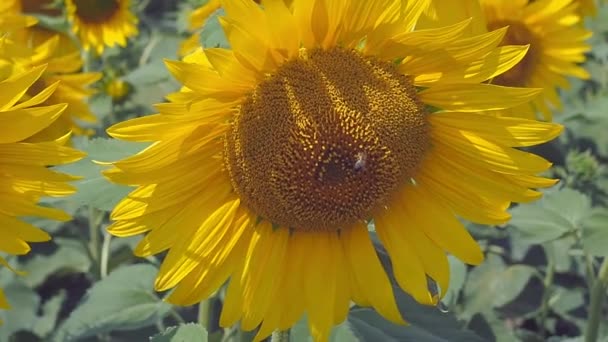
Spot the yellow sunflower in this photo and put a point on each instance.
(101, 23)
(557, 47)
(64, 64)
(24, 175)
(268, 166)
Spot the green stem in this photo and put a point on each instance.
(177, 317)
(280, 336)
(598, 292)
(94, 241)
(204, 308)
(105, 255)
(547, 281)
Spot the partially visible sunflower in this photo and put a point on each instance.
(448, 12)
(587, 8)
(64, 64)
(268, 166)
(557, 47)
(24, 175)
(101, 23)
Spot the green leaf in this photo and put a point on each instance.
(213, 34)
(22, 315)
(458, 273)
(124, 300)
(191, 332)
(94, 189)
(511, 282)
(595, 233)
(150, 73)
(558, 213)
(70, 256)
(45, 325)
(300, 332)
(481, 285)
(564, 301)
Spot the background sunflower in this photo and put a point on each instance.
(25, 178)
(101, 23)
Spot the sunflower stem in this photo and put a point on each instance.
(203, 312)
(280, 336)
(547, 282)
(598, 292)
(95, 218)
(105, 255)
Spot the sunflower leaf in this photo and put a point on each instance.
(67, 256)
(124, 300)
(559, 213)
(94, 189)
(595, 233)
(190, 332)
(22, 315)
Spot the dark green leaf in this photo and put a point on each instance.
(94, 189)
(481, 286)
(458, 273)
(595, 233)
(22, 315)
(557, 214)
(190, 332)
(70, 256)
(124, 300)
(45, 325)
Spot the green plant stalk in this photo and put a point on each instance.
(105, 255)
(547, 282)
(598, 292)
(280, 336)
(204, 308)
(95, 217)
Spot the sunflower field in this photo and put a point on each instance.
(304, 170)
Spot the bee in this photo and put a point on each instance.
(360, 161)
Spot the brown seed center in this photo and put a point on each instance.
(96, 11)
(325, 140)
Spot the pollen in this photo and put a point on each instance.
(325, 140)
(517, 34)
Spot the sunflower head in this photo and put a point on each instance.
(331, 159)
(320, 120)
(101, 23)
(557, 46)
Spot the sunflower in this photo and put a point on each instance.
(557, 46)
(268, 166)
(74, 85)
(101, 23)
(24, 176)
